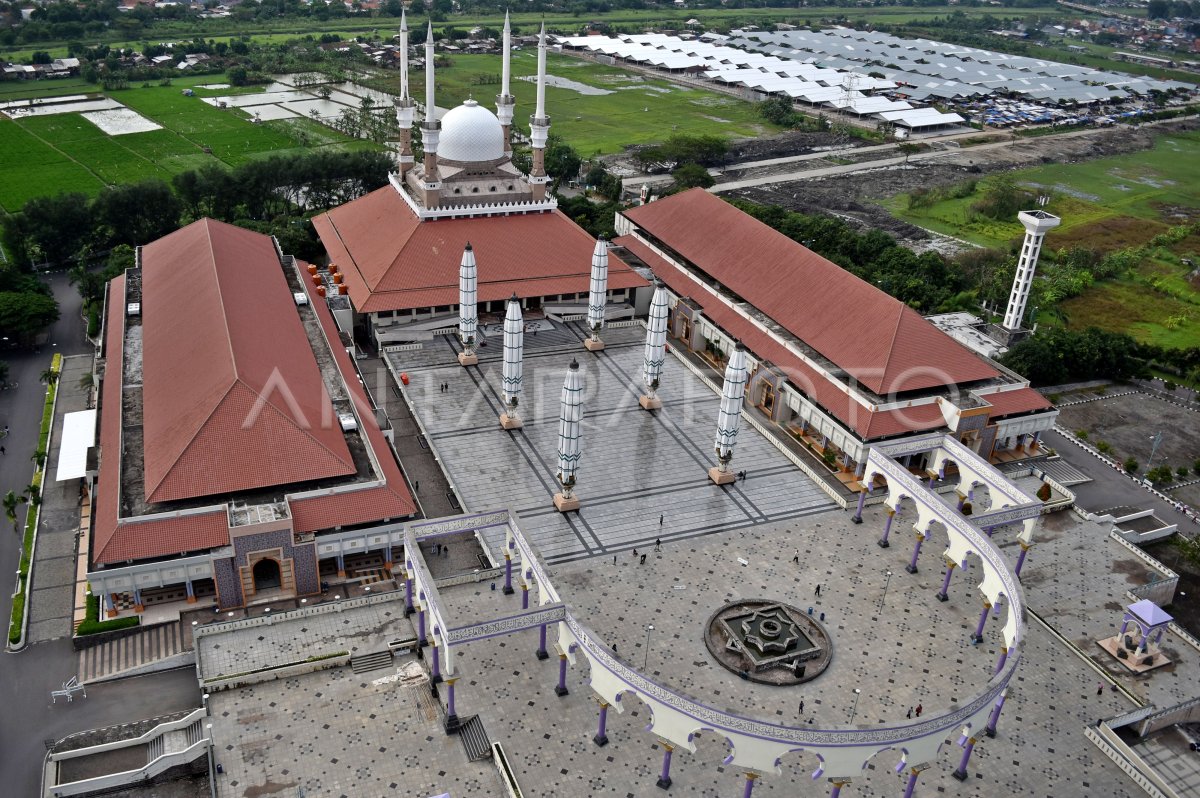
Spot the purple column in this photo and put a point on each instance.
(887, 528)
(541, 650)
(421, 642)
(944, 596)
(1124, 626)
(524, 597)
(978, 636)
(989, 530)
(508, 588)
(601, 738)
(1003, 658)
(664, 779)
(961, 773)
(961, 501)
(912, 566)
(912, 783)
(436, 662)
(990, 729)
(560, 689)
(836, 790)
(862, 498)
(408, 605)
(1021, 558)
(750, 777)
(451, 712)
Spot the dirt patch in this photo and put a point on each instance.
(1135, 571)
(1128, 422)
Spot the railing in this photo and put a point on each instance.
(1108, 742)
(404, 347)
(506, 772)
(220, 627)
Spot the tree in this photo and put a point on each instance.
(49, 376)
(238, 76)
(691, 175)
(1131, 465)
(907, 148)
(23, 315)
(33, 495)
(11, 502)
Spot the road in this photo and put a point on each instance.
(26, 678)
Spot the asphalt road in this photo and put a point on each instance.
(27, 716)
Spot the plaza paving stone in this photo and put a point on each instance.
(636, 465)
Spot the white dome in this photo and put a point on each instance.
(470, 134)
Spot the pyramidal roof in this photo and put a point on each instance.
(232, 396)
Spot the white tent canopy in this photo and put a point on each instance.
(79, 435)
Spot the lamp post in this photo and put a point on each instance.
(1155, 439)
(885, 590)
(646, 662)
(854, 709)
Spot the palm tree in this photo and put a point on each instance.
(39, 457)
(11, 502)
(33, 495)
(88, 381)
(49, 376)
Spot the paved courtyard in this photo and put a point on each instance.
(636, 466)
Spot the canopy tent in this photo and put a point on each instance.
(78, 436)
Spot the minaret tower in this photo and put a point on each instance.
(539, 126)
(504, 100)
(431, 182)
(405, 107)
(1037, 224)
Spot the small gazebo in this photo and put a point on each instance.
(1140, 652)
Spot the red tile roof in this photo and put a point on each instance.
(883, 343)
(829, 395)
(112, 541)
(394, 261)
(1021, 400)
(391, 500)
(232, 395)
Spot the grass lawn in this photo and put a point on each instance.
(1107, 204)
(638, 110)
(65, 152)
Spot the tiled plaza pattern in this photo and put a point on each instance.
(636, 466)
(292, 732)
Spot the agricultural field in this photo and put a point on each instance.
(597, 109)
(1106, 204)
(65, 152)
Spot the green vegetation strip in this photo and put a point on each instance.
(93, 625)
(15, 631)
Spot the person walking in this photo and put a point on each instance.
(1100, 688)
(909, 715)
(416, 486)
(658, 544)
(818, 591)
(660, 519)
(796, 559)
(642, 561)
(918, 710)
(635, 552)
(801, 706)
(614, 559)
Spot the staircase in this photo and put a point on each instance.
(475, 739)
(1063, 472)
(155, 748)
(371, 662)
(131, 651)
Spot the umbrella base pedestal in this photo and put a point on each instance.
(593, 346)
(650, 402)
(508, 422)
(465, 359)
(720, 477)
(565, 505)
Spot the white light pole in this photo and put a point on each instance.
(1155, 439)
(885, 590)
(646, 663)
(854, 709)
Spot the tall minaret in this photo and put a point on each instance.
(1037, 224)
(539, 126)
(431, 181)
(504, 100)
(405, 107)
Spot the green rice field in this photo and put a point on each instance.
(1107, 204)
(42, 155)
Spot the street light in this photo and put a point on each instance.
(885, 590)
(854, 709)
(649, 629)
(1155, 439)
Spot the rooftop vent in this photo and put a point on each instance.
(300, 297)
(133, 309)
(348, 422)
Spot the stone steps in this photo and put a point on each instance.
(371, 662)
(131, 651)
(475, 739)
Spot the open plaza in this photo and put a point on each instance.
(497, 508)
